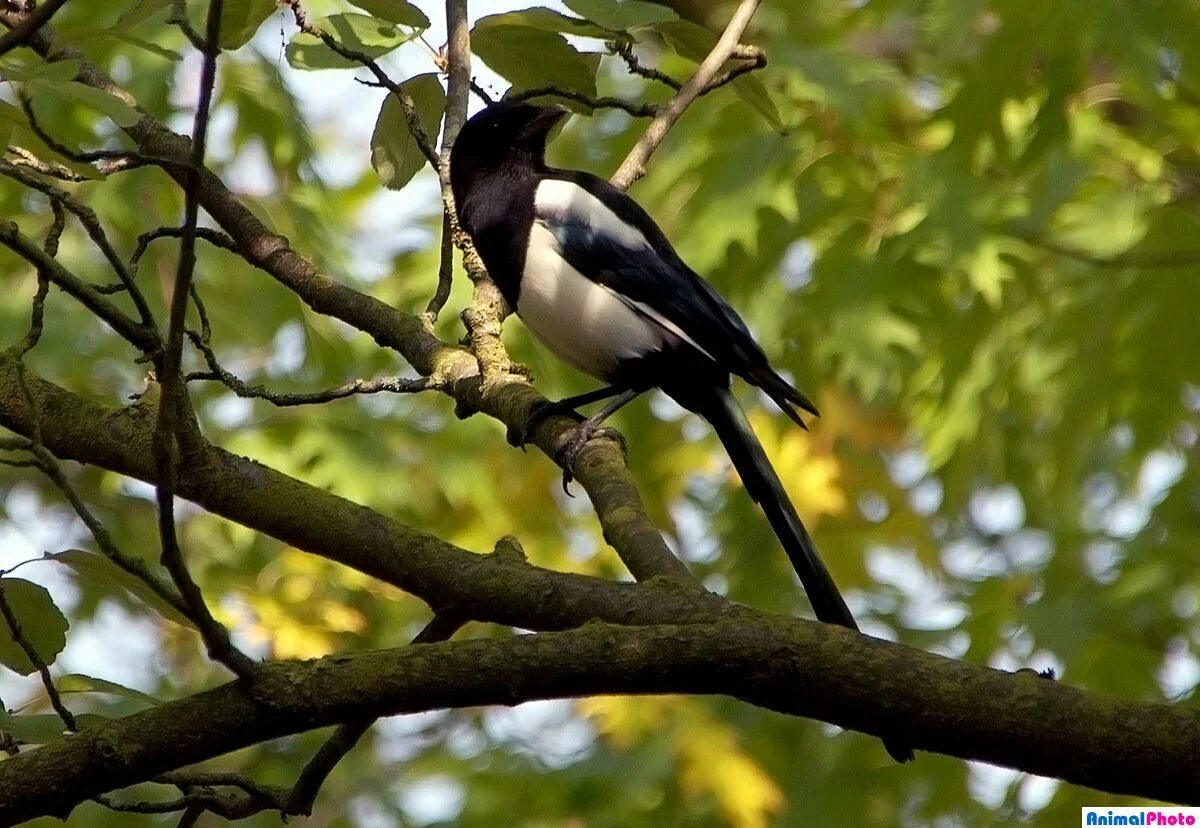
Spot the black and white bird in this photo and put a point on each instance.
(595, 279)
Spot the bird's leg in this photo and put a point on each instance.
(568, 452)
(565, 407)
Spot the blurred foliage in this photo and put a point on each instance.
(970, 229)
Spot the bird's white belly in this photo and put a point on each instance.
(582, 322)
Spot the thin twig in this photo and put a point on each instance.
(481, 93)
(303, 794)
(80, 156)
(217, 373)
(211, 235)
(145, 339)
(179, 18)
(424, 142)
(637, 110)
(95, 230)
(634, 165)
(28, 27)
(458, 81)
(104, 541)
(14, 628)
(757, 59)
(24, 158)
(624, 48)
(173, 402)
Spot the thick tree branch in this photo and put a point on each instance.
(448, 578)
(634, 165)
(797, 667)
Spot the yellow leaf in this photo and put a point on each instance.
(711, 761)
(812, 479)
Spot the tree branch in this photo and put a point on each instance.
(27, 28)
(173, 407)
(95, 230)
(458, 80)
(634, 165)
(634, 108)
(798, 667)
(145, 339)
(217, 373)
(450, 579)
(601, 467)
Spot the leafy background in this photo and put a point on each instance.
(970, 229)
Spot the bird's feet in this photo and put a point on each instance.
(568, 451)
(542, 410)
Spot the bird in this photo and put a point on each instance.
(597, 281)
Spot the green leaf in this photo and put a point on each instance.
(97, 568)
(396, 11)
(694, 42)
(80, 683)
(549, 20)
(531, 57)
(40, 728)
(394, 152)
(108, 105)
(49, 74)
(43, 626)
(86, 35)
(141, 11)
(240, 19)
(22, 136)
(36, 729)
(357, 32)
(621, 16)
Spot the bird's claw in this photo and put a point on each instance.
(519, 436)
(568, 452)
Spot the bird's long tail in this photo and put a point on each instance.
(719, 407)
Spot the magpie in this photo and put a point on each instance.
(596, 280)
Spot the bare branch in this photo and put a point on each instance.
(217, 373)
(424, 141)
(303, 794)
(173, 403)
(791, 666)
(95, 230)
(624, 48)
(458, 81)
(634, 165)
(637, 110)
(22, 157)
(113, 160)
(145, 339)
(447, 577)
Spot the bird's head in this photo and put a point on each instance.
(503, 133)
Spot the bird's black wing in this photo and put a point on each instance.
(609, 238)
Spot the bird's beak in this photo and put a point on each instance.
(544, 121)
